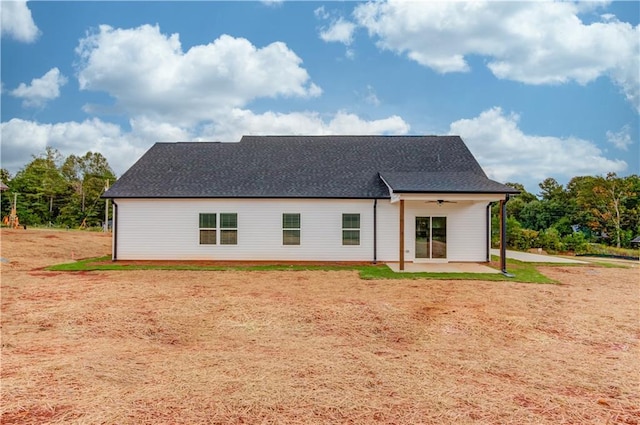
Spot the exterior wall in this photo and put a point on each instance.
(388, 230)
(167, 229)
(466, 228)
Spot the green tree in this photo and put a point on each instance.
(517, 202)
(41, 187)
(5, 197)
(5, 175)
(555, 210)
(88, 176)
(62, 191)
(607, 200)
(551, 190)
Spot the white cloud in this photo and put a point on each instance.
(530, 42)
(41, 89)
(340, 31)
(16, 21)
(508, 154)
(148, 73)
(240, 122)
(272, 3)
(371, 96)
(620, 139)
(22, 138)
(171, 95)
(321, 13)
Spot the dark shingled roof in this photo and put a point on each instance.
(441, 182)
(306, 167)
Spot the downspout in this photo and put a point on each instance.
(503, 236)
(375, 231)
(115, 230)
(401, 236)
(489, 231)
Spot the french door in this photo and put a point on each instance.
(431, 238)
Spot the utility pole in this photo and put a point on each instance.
(13, 217)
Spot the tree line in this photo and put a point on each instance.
(590, 209)
(59, 191)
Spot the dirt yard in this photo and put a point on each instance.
(169, 347)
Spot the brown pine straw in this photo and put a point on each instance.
(174, 347)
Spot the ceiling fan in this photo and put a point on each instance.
(440, 202)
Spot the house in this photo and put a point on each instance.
(307, 198)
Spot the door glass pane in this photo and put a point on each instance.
(439, 237)
(422, 237)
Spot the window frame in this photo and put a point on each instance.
(348, 227)
(203, 229)
(224, 229)
(288, 229)
(218, 229)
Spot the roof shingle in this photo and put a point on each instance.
(305, 167)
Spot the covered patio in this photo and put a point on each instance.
(442, 268)
(440, 188)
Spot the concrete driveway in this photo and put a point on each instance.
(537, 258)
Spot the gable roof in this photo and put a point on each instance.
(306, 167)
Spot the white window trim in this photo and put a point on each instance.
(221, 229)
(207, 228)
(299, 229)
(351, 229)
(218, 229)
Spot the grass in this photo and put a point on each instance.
(600, 249)
(523, 272)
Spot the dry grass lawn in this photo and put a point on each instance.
(175, 347)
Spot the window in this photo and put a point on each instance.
(350, 229)
(209, 229)
(228, 229)
(291, 229)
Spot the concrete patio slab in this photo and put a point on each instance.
(537, 258)
(442, 268)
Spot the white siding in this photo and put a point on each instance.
(466, 228)
(167, 229)
(388, 230)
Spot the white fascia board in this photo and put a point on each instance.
(488, 197)
(394, 197)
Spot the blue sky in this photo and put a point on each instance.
(536, 89)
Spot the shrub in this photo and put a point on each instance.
(576, 242)
(550, 240)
